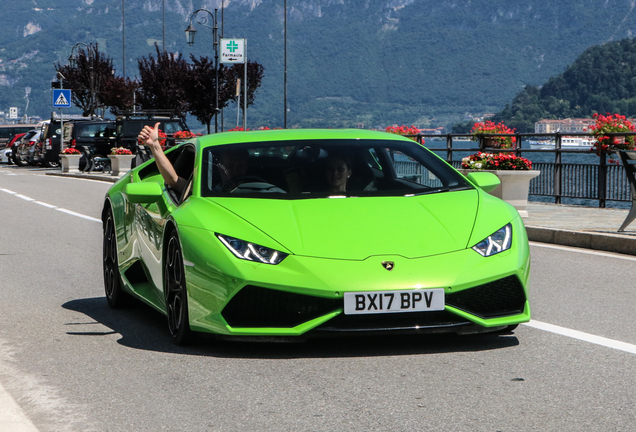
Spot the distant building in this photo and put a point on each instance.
(568, 125)
(436, 131)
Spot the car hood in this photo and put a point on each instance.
(356, 228)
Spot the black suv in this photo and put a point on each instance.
(98, 136)
(129, 124)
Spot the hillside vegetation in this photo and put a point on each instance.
(602, 79)
(377, 62)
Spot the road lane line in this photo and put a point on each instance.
(583, 251)
(63, 210)
(24, 197)
(11, 416)
(51, 206)
(597, 340)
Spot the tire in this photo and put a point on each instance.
(20, 155)
(98, 166)
(115, 295)
(48, 164)
(175, 292)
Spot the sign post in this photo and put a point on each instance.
(61, 99)
(235, 51)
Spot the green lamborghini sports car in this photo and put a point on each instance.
(301, 233)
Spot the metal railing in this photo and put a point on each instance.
(602, 182)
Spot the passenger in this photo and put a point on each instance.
(338, 172)
(149, 136)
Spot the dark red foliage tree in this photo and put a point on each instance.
(254, 77)
(164, 81)
(201, 93)
(119, 93)
(94, 71)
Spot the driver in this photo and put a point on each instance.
(232, 165)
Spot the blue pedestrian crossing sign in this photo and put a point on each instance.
(61, 98)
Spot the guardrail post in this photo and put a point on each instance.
(602, 179)
(557, 168)
(449, 148)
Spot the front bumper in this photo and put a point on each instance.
(304, 295)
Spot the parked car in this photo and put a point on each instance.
(95, 138)
(407, 244)
(6, 154)
(98, 136)
(129, 124)
(28, 149)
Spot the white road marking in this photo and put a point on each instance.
(575, 334)
(78, 215)
(51, 206)
(11, 416)
(26, 198)
(583, 251)
(45, 204)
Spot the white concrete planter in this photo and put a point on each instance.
(70, 162)
(514, 187)
(120, 164)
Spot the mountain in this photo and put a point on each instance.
(374, 62)
(602, 79)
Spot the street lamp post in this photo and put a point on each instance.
(190, 34)
(73, 59)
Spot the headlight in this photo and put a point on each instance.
(495, 243)
(251, 251)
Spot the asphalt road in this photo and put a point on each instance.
(73, 364)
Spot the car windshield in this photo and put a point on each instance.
(325, 168)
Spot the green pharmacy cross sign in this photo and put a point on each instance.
(232, 50)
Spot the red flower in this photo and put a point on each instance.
(488, 127)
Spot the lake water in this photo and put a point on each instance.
(547, 156)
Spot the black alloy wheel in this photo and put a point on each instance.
(175, 291)
(115, 296)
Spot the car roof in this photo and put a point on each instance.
(225, 138)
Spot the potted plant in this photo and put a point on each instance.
(514, 173)
(404, 130)
(120, 160)
(182, 135)
(612, 123)
(69, 159)
(482, 132)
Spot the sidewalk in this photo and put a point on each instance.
(584, 227)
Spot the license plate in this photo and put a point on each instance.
(376, 302)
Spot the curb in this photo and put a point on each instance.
(608, 242)
(100, 177)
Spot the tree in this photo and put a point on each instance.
(254, 77)
(94, 71)
(201, 92)
(164, 82)
(119, 93)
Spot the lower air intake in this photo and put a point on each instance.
(256, 307)
(502, 297)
